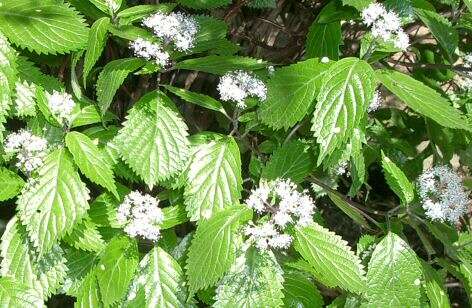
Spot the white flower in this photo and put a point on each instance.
(465, 82)
(176, 28)
(238, 85)
(283, 205)
(372, 13)
(376, 102)
(442, 194)
(141, 216)
(30, 150)
(25, 99)
(324, 60)
(61, 105)
(150, 51)
(385, 25)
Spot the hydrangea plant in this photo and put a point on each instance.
(246, 153)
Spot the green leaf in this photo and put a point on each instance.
(14, 294)
(10, 184)
(220, 65)
(214, 178)
(358, 4)
(153, 141)
(331, 257)
(43, 27)
(111, 78)
(397, 180)
(323, 40)
(29, 72)
(8, 79)
(203, 4)
(138, 12)
(299, 291)
(423, 99)
(20, 261)
(54, 202)
(349, 210)
(161, 280)
(85, 236)
(393, 264)
(254, 280)
(442, 30)
(91, 161)
(89, 292)
(292, 160)
(173, 216)
(434, 287)
(79, 264)
(213, 247)
(347, 90)
(116, 269)
(201, 100)
(96, 43)
(291, 93)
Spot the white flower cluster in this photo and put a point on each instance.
(284, 205)
(30, 150)
(61, 105)
(141, 216)
(238, 85)
(376, 102)
(442, 194)
(176, 28)
(386, 25)
(150, 51)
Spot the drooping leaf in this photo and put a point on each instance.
(203, 4)
(116, 269)
(291, 93)
(201, 100)
(434, 287)
(161, 280)
(300, 291)
(85, 236)
(111, 78)
(10, 184)
(213, 247)
(14, 294)
(323, 40)
(291, 161)
(347, 90)
(220, 65)
(422, 99)
(397, 180)
(54, 202)
(96, 43)
(153, 141)
(330, 257)
(349, 210)
(45, 274)
(91, 161)
(42, 26)
(395, 264)
(254, 280)
(214, 179)
(442, 30)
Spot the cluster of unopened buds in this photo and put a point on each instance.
(442, 194)
(140, 216)
(177, 29)
(280, 204)
(30, 150)
(61, 105)
(385, 25)
(238, 85)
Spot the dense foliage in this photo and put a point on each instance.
(246, 153)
